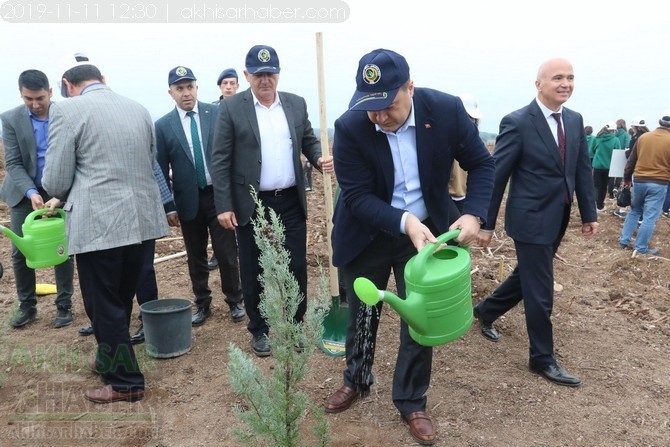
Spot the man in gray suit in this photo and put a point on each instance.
(100, 158)
(24, 130)
(260, 134)
(183, 142)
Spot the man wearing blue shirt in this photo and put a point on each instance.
(24, 130)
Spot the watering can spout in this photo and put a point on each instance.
(15, 238)
(409, 309)
(44, 241)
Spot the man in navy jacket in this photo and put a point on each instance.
(541, 151)
(393, 152)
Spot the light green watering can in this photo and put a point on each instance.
(43, 243)
(438, 307)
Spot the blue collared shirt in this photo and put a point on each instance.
(40, 132)
(407, 194)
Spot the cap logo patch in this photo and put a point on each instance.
(264, 55)
(371, 74)
(181, 71)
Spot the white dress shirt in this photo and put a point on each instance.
(277, 170)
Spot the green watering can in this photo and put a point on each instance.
(438, 307)
(43, 243)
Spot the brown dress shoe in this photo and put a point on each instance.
(107, 394)
(341, 399)
(420, 427)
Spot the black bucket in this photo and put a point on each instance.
(167, 327)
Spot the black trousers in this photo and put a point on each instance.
(293, 218)
(533, 282)
(196, 233)
(108, 280)
(147, 289)
(413, 367)
(600, 184)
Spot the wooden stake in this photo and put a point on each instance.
(325, 152)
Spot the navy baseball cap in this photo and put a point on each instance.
(180, 74)
(380, 75)
(227, 73)
(262, 59)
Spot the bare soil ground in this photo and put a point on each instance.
(611, 329)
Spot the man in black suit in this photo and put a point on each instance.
(184, 145)
(260, 134)
(394, 149)
(541, 149)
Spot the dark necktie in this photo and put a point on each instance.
(197, 152)
(561, 136)
(561, 147)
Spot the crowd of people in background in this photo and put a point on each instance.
(645, 162)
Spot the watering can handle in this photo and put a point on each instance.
(430, 248)
(37, 213)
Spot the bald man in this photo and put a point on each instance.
(542, 151)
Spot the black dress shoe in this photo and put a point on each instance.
(138, 337)
(237, 312)
(487, 329)
(200, 316)
(213, 263)
(86, 330)
(555, 373)
(260, 345)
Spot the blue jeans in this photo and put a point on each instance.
(646, 202)
(666, 203)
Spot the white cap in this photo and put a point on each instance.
(471, 106)
(639, 122)
(611, 126)
(66, 63)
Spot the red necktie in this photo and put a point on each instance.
(561, 136)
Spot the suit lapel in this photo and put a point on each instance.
(572, 136)
(542, 127)
(25, 130)
(250, 111)
(382, 150)
(205, 120)
(178, 130)
(424, 141)
(290, 119)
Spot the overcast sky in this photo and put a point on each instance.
(488, 48)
